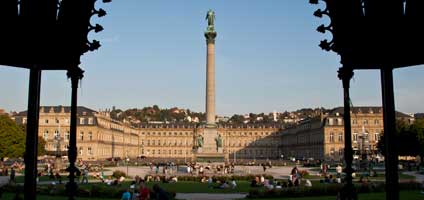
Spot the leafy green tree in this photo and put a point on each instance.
(41, 146)
(407, 139)
(12, 142)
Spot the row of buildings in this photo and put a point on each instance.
(100, 137)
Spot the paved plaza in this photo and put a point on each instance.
(276, 171)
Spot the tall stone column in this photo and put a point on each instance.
(210, 78)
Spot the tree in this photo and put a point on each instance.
(12, 142)
(407, 139)
(41, 146)
(418, 129)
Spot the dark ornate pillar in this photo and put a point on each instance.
(348, 193)
(390, 144)
(75, 75)
(30, 187)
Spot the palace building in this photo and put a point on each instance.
(99, 137)
(323, 137)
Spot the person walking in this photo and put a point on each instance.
(85, 176)
(12, 175)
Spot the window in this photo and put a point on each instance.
(46, 121)
(56, 147)
(332, 151)
(90, 151)
(355, 137)
(148, 142)
(90, 135)
(158, 151)
(331, 137)
(82, 136)
(158, 144)
(153, 152)
(354, 121)
(340, 152)
(376, 121)
(153, 142)
(377, 137)
(46, 135)
(81, 151)
(57, 121)
(67, 135)
(56, 134)
(81, 120)
(340, 137)
(365, 121)
(90, 120)
(175, 152)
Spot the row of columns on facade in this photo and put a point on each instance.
(30, 186)
(345, 74)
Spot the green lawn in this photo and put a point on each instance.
(404, 195)
(186, 187)
(9, 196)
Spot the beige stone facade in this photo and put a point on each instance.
(99, 137)
(323, 138)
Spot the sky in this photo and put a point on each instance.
(267, 59)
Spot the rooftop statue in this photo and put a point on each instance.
(210, 16)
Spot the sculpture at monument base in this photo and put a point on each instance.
(200, 141)
(218, 141)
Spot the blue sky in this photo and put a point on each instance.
(267, 58)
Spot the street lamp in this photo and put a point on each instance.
(127, 160)
(381, 35)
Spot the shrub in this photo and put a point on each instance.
(118, 174)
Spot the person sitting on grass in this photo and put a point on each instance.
(144, 192)
(278, 186)
(174, 179)
(160, 193)
(223, 185)
(308, 183)
(254, 183)
(233, 183)
(126, 195)
(210, 182)
(121, 179)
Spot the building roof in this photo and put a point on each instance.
(419, 115)
(81, 110)
(339, 111)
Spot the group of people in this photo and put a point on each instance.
(200, 170)
(139, 191)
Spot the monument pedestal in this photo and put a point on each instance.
(209, 151)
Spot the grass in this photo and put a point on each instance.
(187, 187)
(20, 179)
(10, 196)
(404, 195)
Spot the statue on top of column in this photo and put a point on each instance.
(210, 16)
